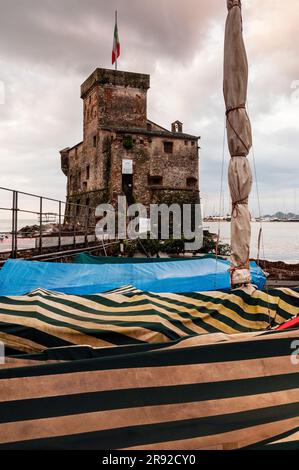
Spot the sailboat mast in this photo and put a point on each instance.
(239, 141)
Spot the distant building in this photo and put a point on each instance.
(123, 152)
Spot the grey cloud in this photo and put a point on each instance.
(72, 32)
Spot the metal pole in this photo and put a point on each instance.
(16, 224)
(75, 224)
(59, 233)
(40, 225)
(13, 228)
(86, 225)
(12, 224)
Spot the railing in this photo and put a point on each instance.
(29, 222)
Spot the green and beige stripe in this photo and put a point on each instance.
(127, 316)
(213, 391)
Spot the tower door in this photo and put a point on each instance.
(127, 188)
(127, 180)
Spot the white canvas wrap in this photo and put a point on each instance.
(239, 141)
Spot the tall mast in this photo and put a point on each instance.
(239, 141)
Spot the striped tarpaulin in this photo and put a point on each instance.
(211, 391)
(127, 316)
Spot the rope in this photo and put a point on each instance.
(239, 5)
(228, 111)
(220, 204)
(104, 247)
(238, 268)
(142, 247)
(261, 237)
(258, 196)
(235, 205)
(259, 245)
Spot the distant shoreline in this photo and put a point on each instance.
(296, 221)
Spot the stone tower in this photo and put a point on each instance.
(123, 152)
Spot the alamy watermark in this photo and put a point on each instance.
(295, 353)
(160, 222)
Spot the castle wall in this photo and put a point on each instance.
(165, 164)
(115, 98)
(150, 160)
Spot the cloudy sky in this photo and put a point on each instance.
(49, 47)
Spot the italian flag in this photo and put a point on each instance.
(116, 44)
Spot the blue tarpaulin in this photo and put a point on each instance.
(19, 277)
(86, 258)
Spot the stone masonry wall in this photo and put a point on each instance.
(149, 159)
(115, 108)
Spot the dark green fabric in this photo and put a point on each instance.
(128, 317)
(82, 397)
(86, 258)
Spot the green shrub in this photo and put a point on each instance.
(128, 142)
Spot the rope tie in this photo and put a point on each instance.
(230, 110)
(235, 205)
(236, 3)
(233, 269)
(239, 267)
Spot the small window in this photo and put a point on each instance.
(186, 142)
(193, 143)
(168, 147)
(79, 176)
(87, 172)
(155, 181)
(85, 186)
(94, 141)
(87, 201)
(191, 182)
(128, 142)
(141, 141)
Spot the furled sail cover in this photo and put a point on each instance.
(239, 141)
(205, 392)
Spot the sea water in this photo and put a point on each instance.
(280, 240)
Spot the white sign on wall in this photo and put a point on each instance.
(127, 168)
